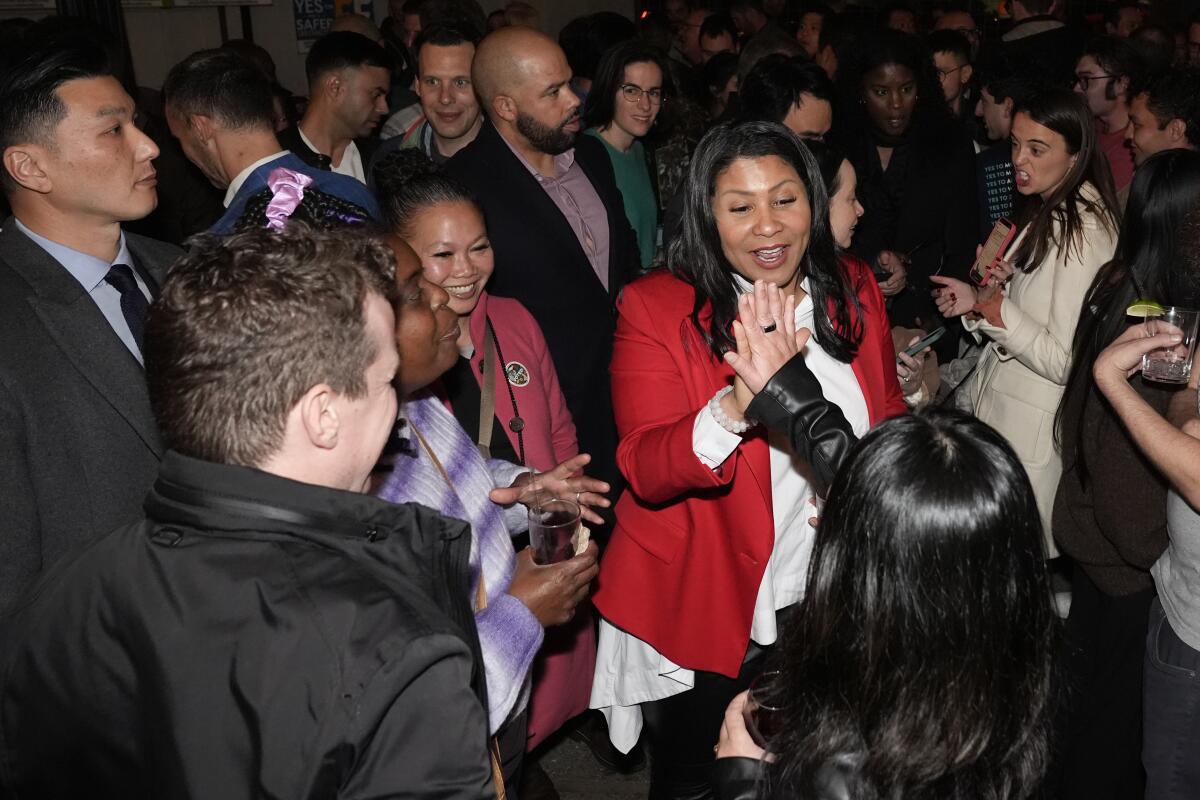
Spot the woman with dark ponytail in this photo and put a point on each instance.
(713, 536)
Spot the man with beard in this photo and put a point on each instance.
(563, 246)
(348, 81)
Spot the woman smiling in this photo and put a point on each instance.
(713, 536)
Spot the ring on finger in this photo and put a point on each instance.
(769, 328)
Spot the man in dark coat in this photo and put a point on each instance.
(563, 245)
(78, 445)
(268, 630)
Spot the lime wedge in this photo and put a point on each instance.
(1144, 308)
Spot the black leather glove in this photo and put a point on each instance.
(792, 403)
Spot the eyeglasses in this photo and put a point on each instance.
(633, 93)
(1083, 81)
(946, 73)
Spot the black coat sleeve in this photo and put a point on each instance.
(431, 740)
(792, 402)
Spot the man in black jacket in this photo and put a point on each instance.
(563, 245)
(268, 630)
(348, 81)
(78, 444)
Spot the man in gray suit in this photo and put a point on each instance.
(78, 445)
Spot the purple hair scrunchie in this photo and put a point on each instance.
(287, 188)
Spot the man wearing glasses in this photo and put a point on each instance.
(1103, 75)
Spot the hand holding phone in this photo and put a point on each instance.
(926, 341)
(992, 251)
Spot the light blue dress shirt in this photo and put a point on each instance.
(90, 272)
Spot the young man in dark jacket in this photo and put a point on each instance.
(267, 630)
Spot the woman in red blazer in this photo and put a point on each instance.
(713, 534)
(530, 423)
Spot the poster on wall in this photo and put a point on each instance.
(27, 5)
(314, 17)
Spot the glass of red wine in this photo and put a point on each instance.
(552, 527)
(763, 712)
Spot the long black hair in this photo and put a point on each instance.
(1149, 262)
(1057, 221)
(923, 649)
(600, 107)
(696, 254)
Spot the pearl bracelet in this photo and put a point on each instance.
(714, 408)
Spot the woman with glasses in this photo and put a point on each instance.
(631, 86)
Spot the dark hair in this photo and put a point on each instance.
(407, 182)
(1176, 95)
(1149, 263)
(717, 25)
(696, 254)
(317, 209)
(341, 50)
(885, 13)
(256, 54)
(30, 77)
(996, 73)
(222, 85)
(1058, 221)
(923, 648)
(445, 34)
(768, 41)
(1112, 14)
(600, 107)
(1156, 47)
(247, 324)
(717, 71)
(951, 42)
(1116, 57)
(931, 120)
(586, 39)
(776, 84)
(829, 161)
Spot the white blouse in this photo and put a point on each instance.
(630, 671)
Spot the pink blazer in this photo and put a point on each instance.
(562, 672)
(549, 430)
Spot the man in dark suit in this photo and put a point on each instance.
(78, 445)
(563, 245)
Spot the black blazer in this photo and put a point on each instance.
(79, 447)
(540, 263)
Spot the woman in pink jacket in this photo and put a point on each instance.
(528, 421)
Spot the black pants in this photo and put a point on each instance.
(682, 730)
(1098, 730)
(511, 740)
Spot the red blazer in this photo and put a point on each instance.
(549, 431)
(691, 544)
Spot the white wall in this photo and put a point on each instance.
(162, 37)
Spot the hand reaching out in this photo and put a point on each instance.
(766, 338)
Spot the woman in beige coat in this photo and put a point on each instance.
(1027, 313)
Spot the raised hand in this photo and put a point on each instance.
(566, 482)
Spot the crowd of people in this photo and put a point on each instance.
(867, 509)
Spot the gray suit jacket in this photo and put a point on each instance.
(79, 447)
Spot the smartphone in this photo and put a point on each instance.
(993, 250)
(926, 341)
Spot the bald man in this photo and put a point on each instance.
(562, 243)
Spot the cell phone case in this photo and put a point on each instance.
(993, 250)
